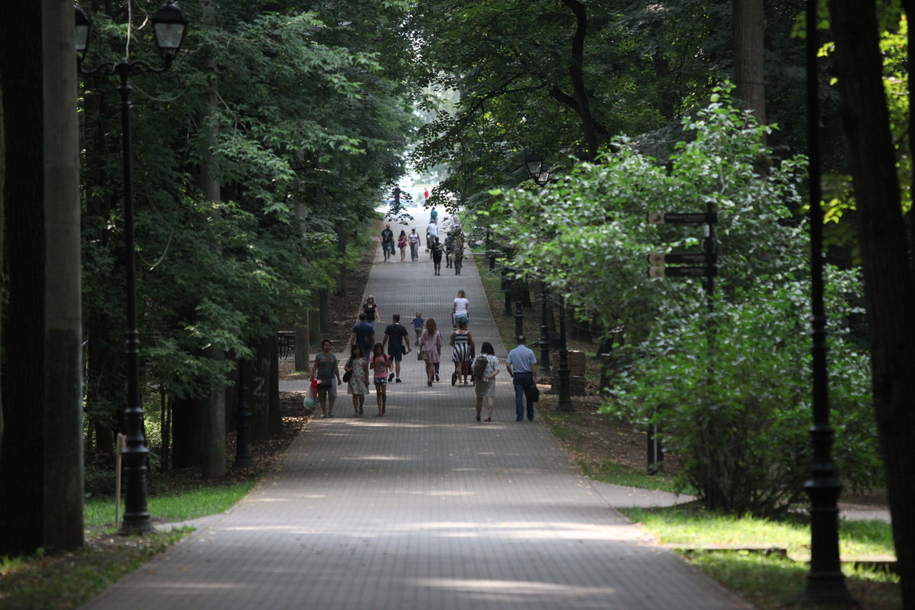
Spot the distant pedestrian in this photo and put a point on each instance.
(418, 325)
(520, 364)
(371, 311)
(462, 346)
(431, 233)
(325, 370)
(415, 243)
(380, 365)
(486, 367)
(457, 251)
(397, 340)
(387, 243)
(449, 247)
(358, 383)
(402, 244)
(363, 334)
(460, 308)
(431, 342)
(437, 251)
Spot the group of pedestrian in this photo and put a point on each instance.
(383, 358)
(452, 248)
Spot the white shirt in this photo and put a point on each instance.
(460, 305)
(433, 229)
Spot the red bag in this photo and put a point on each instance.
(313, 388)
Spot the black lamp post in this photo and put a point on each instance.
(825, 581)
(169, 26)
(544, 333)
(540, 173)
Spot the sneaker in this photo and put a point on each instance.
(397, 380)
(436, 377)
(390, 377)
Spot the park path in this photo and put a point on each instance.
(424, 508)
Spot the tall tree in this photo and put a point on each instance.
(41, 499)
(889, 280)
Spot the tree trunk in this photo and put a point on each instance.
(41, 468)
(259, 387)
(213, 421)
(749, 56)
(186, 434)
(274, 413)
(888, 277)
(213, 426)
(302, 335)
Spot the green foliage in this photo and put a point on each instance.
(300, 114)
(729, 391)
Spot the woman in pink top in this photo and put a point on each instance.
(431, 340)
(381, 366)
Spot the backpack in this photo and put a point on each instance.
(479, 367)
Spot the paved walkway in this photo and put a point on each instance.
(423, 508)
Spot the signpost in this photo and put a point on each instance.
(703, 265)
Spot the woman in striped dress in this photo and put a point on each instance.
(462, 346)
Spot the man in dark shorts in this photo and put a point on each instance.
(363, 335)
(387, 243)
(397, 341)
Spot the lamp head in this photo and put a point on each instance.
(533, 162)
(170, 26)
(83, 25)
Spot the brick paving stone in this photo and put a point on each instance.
(422, 508)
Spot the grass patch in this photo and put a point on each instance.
(617, 474)
(67, 580)
(770, 582)
(190, 504)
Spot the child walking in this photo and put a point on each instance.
(359, 380)
(418, 324)
(381, 366)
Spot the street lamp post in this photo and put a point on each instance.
(540, 173)
(169, 26)
(825, 581)
(544, 333)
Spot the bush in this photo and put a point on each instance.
(731, 394)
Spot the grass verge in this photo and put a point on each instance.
(770, 582)
(175, 507)
(67, 580)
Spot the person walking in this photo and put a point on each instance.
(397, 340)
(380, 364)
(325, 370)
(431, 342)
(461, 347)
(363, 334)
(431, 232)
(520, 364)
(449, 246)
(418, 325)
(402, 244)
(371, 311)
(457, 251)
(415, 243)
(460, 308)
(437, 251)
(387, 243)
(358, 384)
(485, 367)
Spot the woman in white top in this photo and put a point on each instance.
(460, 308)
